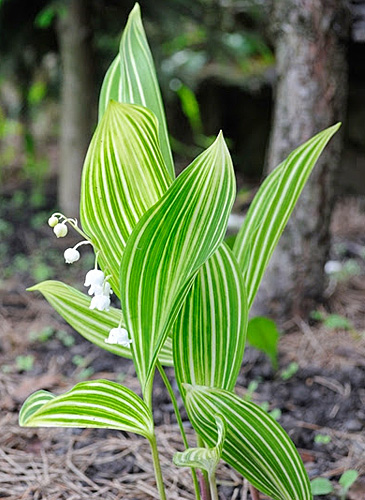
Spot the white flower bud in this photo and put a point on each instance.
(71, 255)
(118, 336)
(100, 302)
(94, 279)
(60, 230)
(53, 221)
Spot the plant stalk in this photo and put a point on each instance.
(254, 492)
(213, 486)
(180, 424)
(157, 468)
(204, 479)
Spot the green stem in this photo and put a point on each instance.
(180, 424)
(201, 444)
(157, 467)
(213, 486)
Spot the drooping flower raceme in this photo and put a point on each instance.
(118, 336)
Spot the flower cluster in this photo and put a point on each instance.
(99, 287)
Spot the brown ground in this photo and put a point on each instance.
(325, 396)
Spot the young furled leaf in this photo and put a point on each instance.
(139, 81)
(98, 404)
(204, 458)
(255, 444)
(111, 89)
(271, 208)
(167, 248)
(131, 78)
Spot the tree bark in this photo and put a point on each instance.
(311, 95)
(78, 112)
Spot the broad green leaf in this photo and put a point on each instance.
(210, 331)
(98, 404)
(255, 444)
(167, 248)
(271, 209)
(139, 81)
(263, 334)
(111, 89)
(321, 486)
(123, 176)
(348, 478)
(93, 325)
(204, 458)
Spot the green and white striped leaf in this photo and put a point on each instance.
(93, 325)
(97, 404)
(124, 175)
(167, 248)
(111, 89)
(210, 331)
(139, 83)
(255, 444)
(204, 458)
(271, 209)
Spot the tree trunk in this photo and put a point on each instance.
(78, 112)
(311, 95)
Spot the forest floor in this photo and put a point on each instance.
(319, 387)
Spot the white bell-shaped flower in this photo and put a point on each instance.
(118, 336)
(60, 230)
(53, 221)
(100, 302)
(94, 279)
(71, 255)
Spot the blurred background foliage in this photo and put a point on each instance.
(203, 49)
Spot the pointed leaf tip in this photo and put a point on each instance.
(136, 9)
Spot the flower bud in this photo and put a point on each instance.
(71, 255)
(100, 302)
(60, 230)
(53, 221)
(118, 336)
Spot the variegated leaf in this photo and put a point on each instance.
(139, 81)
(123, 176)
(271, 209)
(210, 331)
(111, 90)
(255, 444)
(93, 325)
(98, 404)
(167, 248)
(204, 458)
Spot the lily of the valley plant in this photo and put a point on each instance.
(184, 294)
